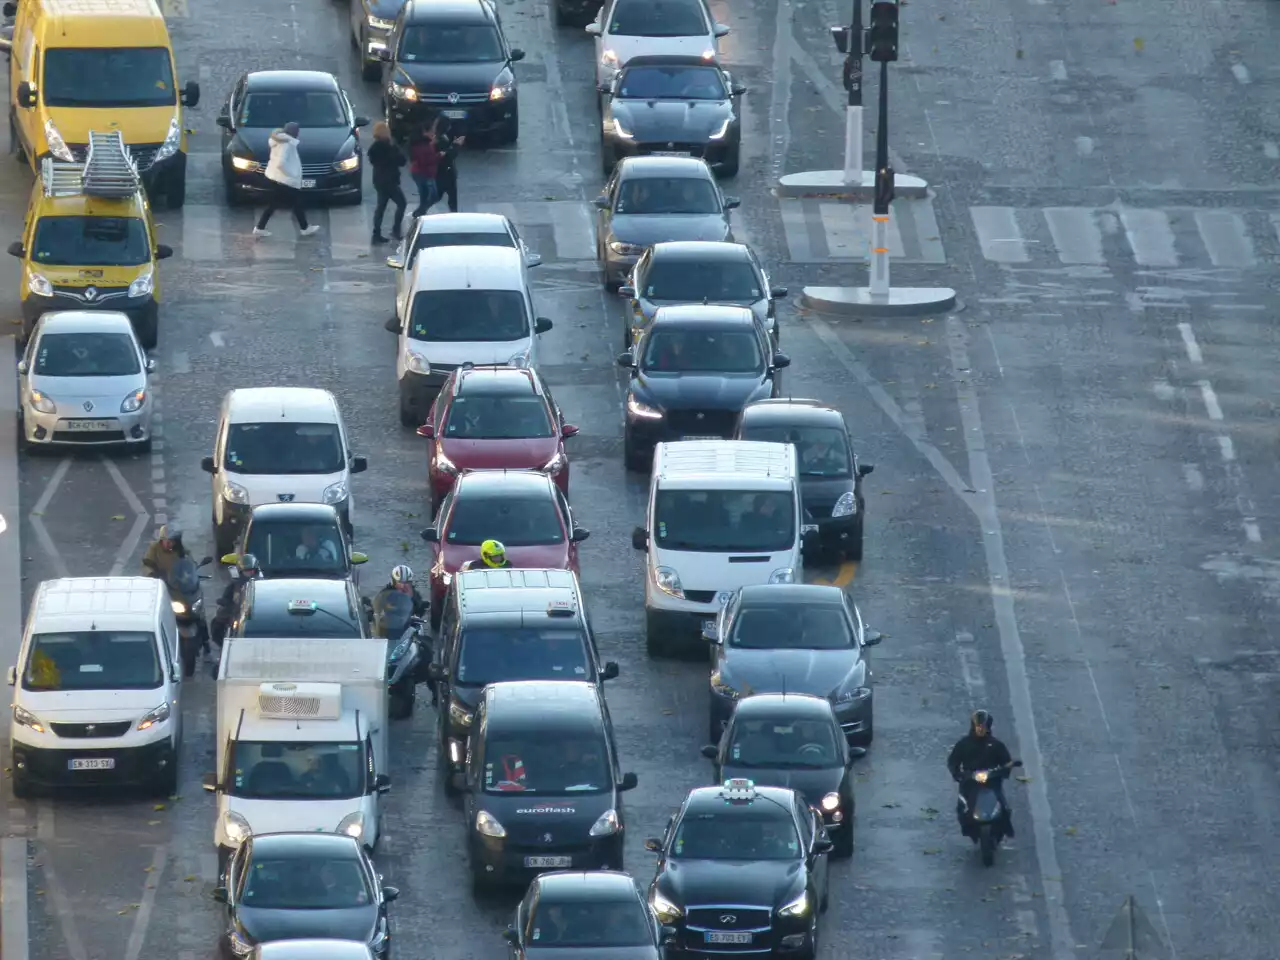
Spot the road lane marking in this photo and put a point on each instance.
(1084, 146)
(62, 910)
(1164, 390)
(1226, 239)
(970, 667)
(1195, 479)
(140, 514)
(1226, 448)
(1251, 532)
(1150, 237)
(1057, 70)
(10, 529)
(1270, 150)
(999, 235)
(202, 232)
(1189, 341)
(215, 337)
(1210, 400)
(37, 524)
(780, 89)
(1076, 234)
(142, 917)
(14, 915)
(1241, 73)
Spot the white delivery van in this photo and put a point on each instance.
(722, 514)
(96, 687)
(302, 738)
(278, 445)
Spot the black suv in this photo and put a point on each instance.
(450, 58)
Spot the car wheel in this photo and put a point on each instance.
(558, 14)
(232, 193)
(729, 168)
(632, 457)
(843, 844)
(143, 447)
(166, 783)
(148, 330)
(868, 732)
(355, 199)
(655, 643)
(408, 416)
(15, 143)
(509, 132)
(223, 540)
(21, 786)
(854, 548)
(371, 71)
(607, 160)
(175, 195)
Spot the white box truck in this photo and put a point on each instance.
(302, 738)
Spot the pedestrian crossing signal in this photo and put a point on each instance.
(882, 38)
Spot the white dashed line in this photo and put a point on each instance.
(1226, 448)
(970, 667)
(159, 488)
(1189, 341)
(1057, 70)
(1084, 146)
(1210, 400)
(215, 337)
(1252, 533)
(1241, 72)
(1271, 151)
(1164, 390)
(1195, 479)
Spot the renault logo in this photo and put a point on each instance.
(88, 406)
(453, 98)
(91, 293)
(728, 918)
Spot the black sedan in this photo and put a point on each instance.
(793, 740)
(830, 474)
(672, 106)
(692, 372)
(566, 915)
(329, 144)
(793, 638)
(299, 886)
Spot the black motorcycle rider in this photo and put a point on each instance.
(979, 750)
(402, 582)
(248, 568)
(164, 552)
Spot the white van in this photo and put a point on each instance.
(96, 687)
(462, 304)
(722, 514)
(278, 445)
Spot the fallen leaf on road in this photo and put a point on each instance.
(1139, 43)
(190, 878)
(118, 516)
(153, 823)
(1019, 54)
(891, 805)
(147, 869)
(158, 806)
(1071, 831)
(1165, 686)
(1023, 779)
(932, 853)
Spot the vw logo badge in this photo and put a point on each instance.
(671, 146)
(453, 98)
(91, 293)
(546, 838)
(285, 497)
(88, 406)
(728, 918)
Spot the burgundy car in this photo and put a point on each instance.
(495, 418)
(523, 509)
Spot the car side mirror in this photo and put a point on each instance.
(358, 465)
(542, 325)
(732, 203)
(210, 782)
(866, 469)
(395, 263)
(580, 534)
(229, 559)
(626, 290)
(437, 672)
(669, 935)
(220, 894)
(722, 30)
(11, 676)
(358, 558)
(224, 121)
(601, 201)
(26, 95)
(653, 845)
(149, 366)
(383, 55)
(781, 361)
(382, 783)
(629, 782)
(16, 249)
(569, 430)
(737, 89)
(163, 251)
(605, 88)
(626, 360)
(191, 94)
(871, 638)
(516, 55)
(856, 754)
(427, 430)
(10, 9)
(22, 367)
(511, 936)
(361, 122)
(392, 325)
(824, 845)
(777, 293)
(532, 260)
(711, 751)
(431, 535)
(640, 538)
(207, 465)
(392, 893)
(610, 671)
(593, 29)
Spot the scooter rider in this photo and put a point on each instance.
(402, 582)
(248, 569)
(979, 750)
(493, 555)
(166, 551)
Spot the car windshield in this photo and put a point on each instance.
(622, 923)
(108, 77)
(672, 83)
(702, 351)
(90, 242)
(469, 316)
(737, 834)
(271, 109)
(284, 448)
(784, 743)
(297, 549)
(498, 654)
(792, 626)
(322, 622)
(522, 522)
(498, 418)
(305, 883)
(725, 521)
(425, 240)
(658, 18)
(87, 355)
(450, 43)
(822, 451)
(289, 770)
(667, 196)
(561, 763)
(93, 660)
(693, 281)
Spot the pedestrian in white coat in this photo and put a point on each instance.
(284, 170)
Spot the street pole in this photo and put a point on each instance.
(884, 194)
(853, 111)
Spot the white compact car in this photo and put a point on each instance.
(631, 28)
(454, 230)
(83, 382)
(278, 445)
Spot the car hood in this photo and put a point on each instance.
(530, 818)
(91, 706)
(678, 120)
(627, 47)
(813, 785)
(452, 77)
(751, 883)
(286, 487)
(644, 230)
(146, 124)
(594, 952)
(552, 557)
(105, 394)
(104, 277)
(819, 672)
(263, 926)
(704, 393)
(499, 454)
(315, 144)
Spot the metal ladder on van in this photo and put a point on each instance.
(108, 171)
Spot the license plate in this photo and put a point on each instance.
(548, 861)
(82, 426)
(728, 938)
(700, 436)
(681, 153)
(103, 763)
(308, 184)
(455, 114)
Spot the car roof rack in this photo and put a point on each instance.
(108, 171)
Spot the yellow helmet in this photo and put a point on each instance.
(493, 553)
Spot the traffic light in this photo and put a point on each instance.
(883, 35)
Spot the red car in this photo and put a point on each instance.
(523, 509)
(495, 418)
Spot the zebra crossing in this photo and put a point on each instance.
(826, 231)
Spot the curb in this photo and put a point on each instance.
(830, 184)
(859, 302)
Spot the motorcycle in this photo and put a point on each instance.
(983, 819)
(393, 619)
(187, 600)
(227, 602)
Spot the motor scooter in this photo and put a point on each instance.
(982, 818)
(407, 653)
(186, 596)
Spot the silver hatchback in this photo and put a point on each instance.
(83, 381)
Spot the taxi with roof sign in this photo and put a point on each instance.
(299, 608)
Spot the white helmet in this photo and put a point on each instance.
(402, 573)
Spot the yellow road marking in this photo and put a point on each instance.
(844, 576)
(174, 8)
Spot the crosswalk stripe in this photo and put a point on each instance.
(1226, 238)
(507, 210)
(1075, 234)
(842, 236)
(795, 227)
(999, 234)
(283, 242)
(201, 232)
(1150, 237)
(573, 230)
(350, 229)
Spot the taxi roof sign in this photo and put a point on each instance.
(303, 606)
(739, 788)
(561, 608)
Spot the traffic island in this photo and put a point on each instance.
(861, 302)
(830, 184)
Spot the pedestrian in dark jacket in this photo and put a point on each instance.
(447, 171)
(386, 160)
(424, 164)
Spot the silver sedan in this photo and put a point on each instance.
(83, 381)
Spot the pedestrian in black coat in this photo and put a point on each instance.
(447, 172)
(386, 161)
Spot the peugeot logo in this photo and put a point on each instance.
(89, 728)
(91, 293)
(453, 98)
(728, 918)
(286, 497)
(88, 406)
(546, 838)
(702, 416)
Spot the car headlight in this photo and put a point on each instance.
(520, 359)
(504, 86)
(664, 909)
(39, 284)
(401, 649)
(783, 575)
(57, 146)
(642, 411)
(240, 947)
(722, 688)
(606, 825)
(444, 465)
(236, 828)
(352, 825)
(335, 492)
(377, 23)
(350, 163)
(798, 907)
(177, 606)
(41, 402)
(25, 718)
(247, 164)
(159, 715)
(621, 132)
(487, 825)
(143, 285)
(626, 249)
(459, 714)
(831, 802)
(234, 493)
(845, 506)
(172, 140)
(721, 130)
(708, 54)
(555, 464)
(417, 363)
(403, 91)
(668, 581)
(133, 402)
(857, 693)
(609, 60)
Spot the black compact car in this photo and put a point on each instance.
(573, 914)
(328, 145)
(830, 474)
(692, 372)
(544, 791)
(299, 608)
(742, 871)
(298, 540)
(300, 886)
(672, 106)
(450, 58)
(793, 638)
(793, 740)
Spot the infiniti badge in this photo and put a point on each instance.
(88, 406)
(453, 98)
(728, 918)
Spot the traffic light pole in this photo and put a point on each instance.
(884, 194)
(853, 112)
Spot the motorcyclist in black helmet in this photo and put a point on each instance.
(247, 569)
(979, 750)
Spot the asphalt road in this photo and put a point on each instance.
(1071, 518)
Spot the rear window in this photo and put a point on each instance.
(426, 240)
(501, 417)
(536, 763)
(93, 660)
(690, 281)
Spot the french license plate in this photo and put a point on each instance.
(99, 763)
(308, 184)
(455, 114)
(720, 937)
(548, 861)
(674, 153)
(84, 426)
(700, 436)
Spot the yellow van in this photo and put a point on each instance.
(89, 241)
(81, 65)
